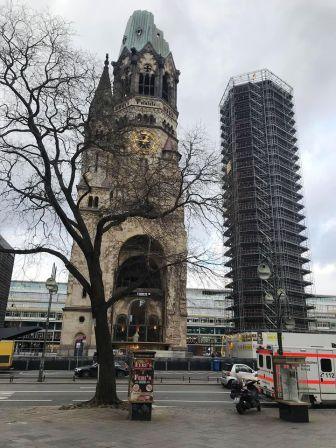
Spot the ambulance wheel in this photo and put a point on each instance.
(312, 401)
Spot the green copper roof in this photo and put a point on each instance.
(140, 30)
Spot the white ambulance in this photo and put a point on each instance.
(316, 377)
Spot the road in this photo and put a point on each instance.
(19, 395)
(57, 376)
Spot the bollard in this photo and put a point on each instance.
(189, 380)
(11, 378)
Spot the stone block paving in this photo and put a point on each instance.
(171, 427)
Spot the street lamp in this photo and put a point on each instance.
(52, 287)
(279, 299)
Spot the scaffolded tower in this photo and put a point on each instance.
(263, 215)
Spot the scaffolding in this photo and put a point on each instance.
(263, 210)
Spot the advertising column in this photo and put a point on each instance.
(140, 388)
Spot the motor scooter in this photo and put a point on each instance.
(245, 394)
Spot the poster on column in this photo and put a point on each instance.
(141, 381)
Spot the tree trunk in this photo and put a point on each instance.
(106, 392)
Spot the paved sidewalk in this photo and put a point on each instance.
(50, 427)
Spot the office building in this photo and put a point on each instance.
(322, 313)
(28, 306)
(263, 210)
(208, 320)
(6, 269)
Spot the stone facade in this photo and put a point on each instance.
(136, 161)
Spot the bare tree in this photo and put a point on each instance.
(47, 144)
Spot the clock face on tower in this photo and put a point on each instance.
(144, 142)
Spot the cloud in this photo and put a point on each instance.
(324, 276)
(213, 40)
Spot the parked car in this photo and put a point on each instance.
(233, 371)
(91, 371)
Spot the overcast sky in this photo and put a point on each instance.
(212, 40)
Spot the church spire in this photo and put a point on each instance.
(102, 100)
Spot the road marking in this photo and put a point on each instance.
(10, 399)
(23, 391)
(193, 401)
(5, 395)
(187, 401)
(163, 406)
(49, 391)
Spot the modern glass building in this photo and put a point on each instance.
(6, 269)
(27, 306)
(322, 313)
(263, 209)
(208, 320)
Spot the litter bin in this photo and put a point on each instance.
(216, 365)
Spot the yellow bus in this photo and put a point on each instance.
(6, 354)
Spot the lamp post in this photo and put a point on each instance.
(279, 299)
(52, 287)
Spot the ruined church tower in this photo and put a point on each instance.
(141, 102)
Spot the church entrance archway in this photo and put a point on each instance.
(139, 315)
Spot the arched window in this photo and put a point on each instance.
(146, 84)
(165, 91)
(138, 312)
(96, 162)
(90, 201)
(120, 329)
(96, 202)
(138, 268)
(153, 329)
(137, 321)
